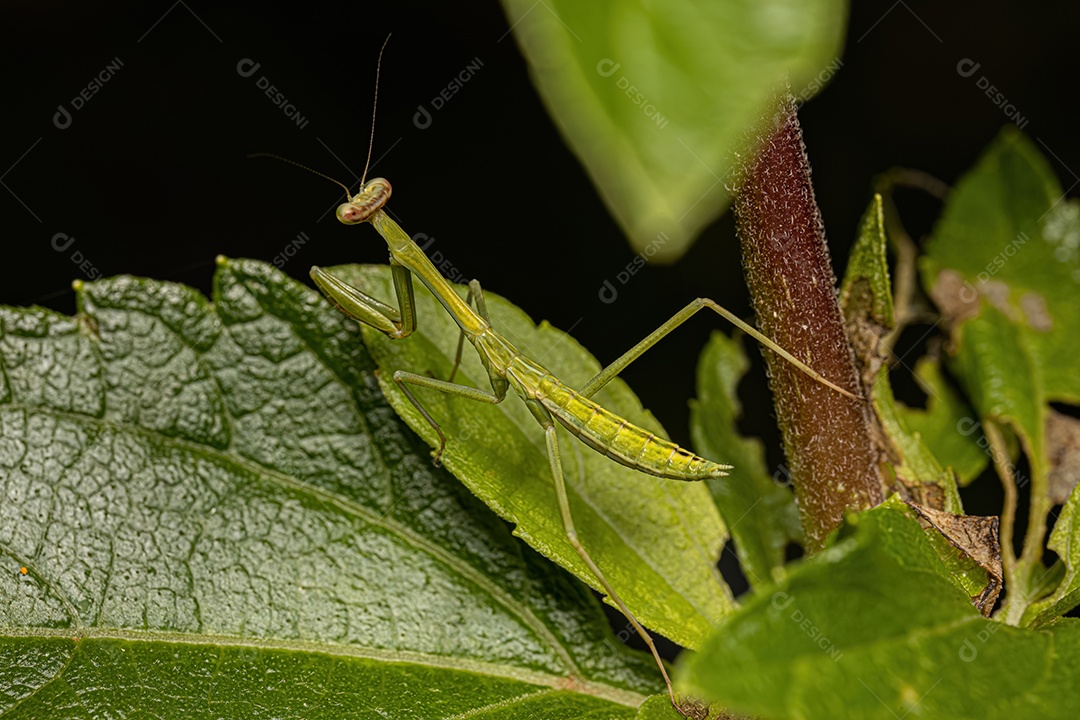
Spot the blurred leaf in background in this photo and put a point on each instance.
(656, 98)
(1003, 266)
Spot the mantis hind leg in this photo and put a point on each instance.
(572, 536)
(404, 379)
(612, 371)
(476, 292)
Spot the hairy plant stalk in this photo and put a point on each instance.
(833, 461)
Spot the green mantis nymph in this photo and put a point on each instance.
(550, 401)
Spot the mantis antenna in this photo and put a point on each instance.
(371, 140)
(374, 106)
(302, 167)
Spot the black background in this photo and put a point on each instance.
(151, 176)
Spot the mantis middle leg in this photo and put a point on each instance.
(403, 379)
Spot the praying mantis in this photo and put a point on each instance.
(550, 401)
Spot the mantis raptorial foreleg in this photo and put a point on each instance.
(612, 371)
(400, 323)
(396, 323)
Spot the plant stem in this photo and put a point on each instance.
(999, 453)
(834, 464)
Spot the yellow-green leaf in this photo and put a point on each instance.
(656, 540)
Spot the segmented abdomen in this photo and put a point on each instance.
(620, 440)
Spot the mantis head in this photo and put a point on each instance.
(365, 203)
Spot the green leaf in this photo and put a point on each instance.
(918, 468)
(867, 288)
(655, 98)
(210, 511)
(658, 707)
(871, 628)
(1008, 391)
(1009, 232)
(1065, 541)
(657, 541)
(1007, 385)
(947, 426)
(867, 302)
(759, 509)
(1004, 267)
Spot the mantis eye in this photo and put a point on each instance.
(364, 204)
(352, 215)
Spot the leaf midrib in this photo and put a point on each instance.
(487, 669)
(349, 506)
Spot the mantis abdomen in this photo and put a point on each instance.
(622, 441)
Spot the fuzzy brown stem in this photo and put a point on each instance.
(833, 461)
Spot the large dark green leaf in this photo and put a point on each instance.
(872, 627)
(655, 98)
(656, 540)
(209, 511)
